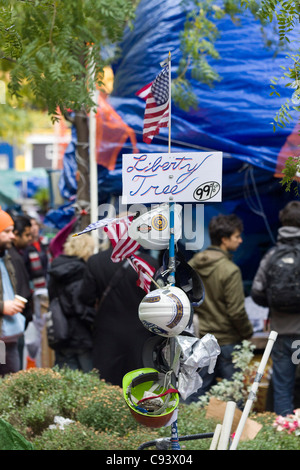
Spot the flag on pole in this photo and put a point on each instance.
(95, 225)
(144, 270)
(123, 245)
(157, 97)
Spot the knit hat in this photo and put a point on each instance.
(5, 220)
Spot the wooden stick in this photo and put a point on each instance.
(226, 425)
(252, 394)
(216, 436)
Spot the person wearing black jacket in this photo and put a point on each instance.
(119, 335)
(36, 257)
(65, 278)
(285, 323)
(22, 232)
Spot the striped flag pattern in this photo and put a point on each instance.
(123, 245)
(157, 112)
(143, 269)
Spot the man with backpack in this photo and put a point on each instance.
(277, 285)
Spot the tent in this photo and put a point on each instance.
(234, 116)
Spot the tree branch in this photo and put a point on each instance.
(6, 58)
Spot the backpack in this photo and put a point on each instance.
(283, 279)
(56, 325)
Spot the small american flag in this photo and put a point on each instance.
(157, 112)
(143, 269)
(123, 245)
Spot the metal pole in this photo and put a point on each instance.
(93, 167)
(174, 431)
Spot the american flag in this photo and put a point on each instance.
(123, 245)
(143, 269)
(157, 112)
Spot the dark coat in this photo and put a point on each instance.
(65, 279)
(119, 336)
(22, 281)
(36, 262)
(282, 323)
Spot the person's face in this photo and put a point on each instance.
(233, 242)
(35, 228)
(22, 241)
(6, 238)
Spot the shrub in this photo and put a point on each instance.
(77, 436)
(29, 401)
(26, 386)
(106, 411)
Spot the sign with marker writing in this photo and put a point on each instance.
(168, 177)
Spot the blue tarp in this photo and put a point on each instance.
(234, 116)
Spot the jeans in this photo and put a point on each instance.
(74, 359)
(284, 371)
(224, 369)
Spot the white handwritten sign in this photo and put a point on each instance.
(178, 177)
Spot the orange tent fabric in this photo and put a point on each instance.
(291, 148)
(111, 134)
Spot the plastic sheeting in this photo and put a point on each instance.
(234, 116)
(10, 439)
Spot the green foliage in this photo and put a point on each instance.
(16, 123)
(292, 167)
(291, 77)
(30, 399)
(42, 197)
(268, 438)
(197, 44)
(95, 411)
(59, 49)
(101, 420)
(285, 15)
(77, 436)
(11, 44)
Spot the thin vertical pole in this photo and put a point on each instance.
(93, 167)
(174, 431)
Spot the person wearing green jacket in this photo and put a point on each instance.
(222, 312)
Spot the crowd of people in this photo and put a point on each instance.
(100, 300)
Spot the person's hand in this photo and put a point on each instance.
(11, 307)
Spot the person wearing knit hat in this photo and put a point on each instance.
(12, 322)
(5, 220)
